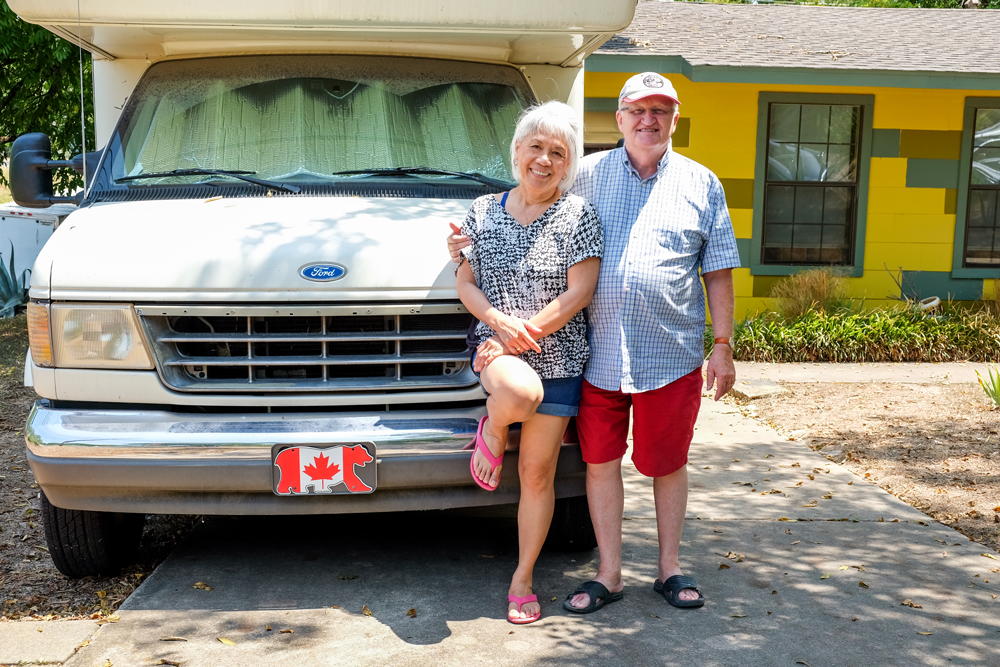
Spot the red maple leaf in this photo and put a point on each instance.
(321, 470)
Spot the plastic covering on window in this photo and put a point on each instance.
(306, 117)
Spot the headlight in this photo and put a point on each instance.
(97, 337)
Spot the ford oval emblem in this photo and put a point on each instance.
(323, 272)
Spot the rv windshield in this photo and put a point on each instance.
(315, 119)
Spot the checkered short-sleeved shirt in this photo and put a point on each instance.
(647, 319)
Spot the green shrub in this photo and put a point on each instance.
(822, 290)
(13, 290)
(902, 334)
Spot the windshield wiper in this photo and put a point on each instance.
(404, 171)
(218, 172)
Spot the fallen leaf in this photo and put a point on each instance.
(859, 568)
(851, 482)
(990, 556)
(114, 618)
(554, 598)
(412, 613)
(788, 531)
(828, 496)
(86, 642)
(802, 662)
(39, 629)
(511, 632)
(164, 661)
(738, 615)
(486, 556)
(774, 592)
(347, 577)
(854, 618)
(172, 639)
(365, 610)
(286, 632)
(101, 594)
(925, 633)
(108, 663)
(796, 541)
(811, 476)
(653, 616)
(723, 566)
(230, 642)
(735, 557)
(825, 576)
(862, 584)
(909, 603)
(845, 567)
(268, 628)
(201, 585)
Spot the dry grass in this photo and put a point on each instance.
(992, 304)
(821, 290)
(5, 197)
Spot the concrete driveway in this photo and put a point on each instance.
(783, 581)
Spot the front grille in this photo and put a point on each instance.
(310, 349)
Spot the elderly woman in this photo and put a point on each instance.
(530, 270)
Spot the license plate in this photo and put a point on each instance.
(336, 468)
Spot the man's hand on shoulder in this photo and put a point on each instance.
(721, 370)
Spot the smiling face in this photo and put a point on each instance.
(648, 124)
(542, 161)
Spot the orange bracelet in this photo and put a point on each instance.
(723, 341)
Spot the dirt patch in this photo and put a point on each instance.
(30, 585)
(936, 447)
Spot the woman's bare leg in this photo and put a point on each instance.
(541, 438)
(515, 391)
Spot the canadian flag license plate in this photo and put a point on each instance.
(300, 470)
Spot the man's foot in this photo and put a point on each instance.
(686, 594)
(528, 609)
(613, 584)
(482, 466)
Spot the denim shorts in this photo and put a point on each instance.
(560, 396)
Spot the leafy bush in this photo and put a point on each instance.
(13, 292)
(821, 290)
(902, 334)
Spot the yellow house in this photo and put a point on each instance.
(865, 139)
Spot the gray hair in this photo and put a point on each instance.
(550, 118)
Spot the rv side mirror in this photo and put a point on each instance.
(31, 166)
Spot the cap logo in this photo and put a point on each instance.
(652, 81)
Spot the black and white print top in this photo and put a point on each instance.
(522, 269)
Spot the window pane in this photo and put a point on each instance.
(778, 236)
(834, 236)
(840, 166)
(980, 241)
(809, 206)
(987, 128)
(986, 166)
(815, 123)
(784, 122)
(779, 203)
(843, 124)
(781, 162)
(808, 236)
(812, 162)
(837, 207)
(982, 208)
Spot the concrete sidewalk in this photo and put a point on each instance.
(796, 570)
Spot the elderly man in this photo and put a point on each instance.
(666, 229)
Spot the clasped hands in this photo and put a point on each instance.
(514, 336)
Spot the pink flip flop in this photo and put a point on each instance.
(521, 601)
(494, 460)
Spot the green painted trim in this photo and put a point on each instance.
(791, 76)
(922, 173)
(962, 202)
(941, 284)
(739, 192)
(743, 246)
(600, 104)
(931, 144)
(867, 102)
(885, 143)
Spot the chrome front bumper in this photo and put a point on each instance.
(159, 462)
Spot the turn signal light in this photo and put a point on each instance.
(39, 336)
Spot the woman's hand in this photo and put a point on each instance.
(515, 334)
(488, 351)
(457, 241)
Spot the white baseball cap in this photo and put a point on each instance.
(646, 85)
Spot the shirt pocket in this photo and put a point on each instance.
(677, 243)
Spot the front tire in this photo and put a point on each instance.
(84, 543)
(571, 528)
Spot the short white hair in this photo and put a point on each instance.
(553, 118)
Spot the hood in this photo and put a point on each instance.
(251, 249)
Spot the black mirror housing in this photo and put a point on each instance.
(31, 166)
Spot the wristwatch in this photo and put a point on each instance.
(723, 341)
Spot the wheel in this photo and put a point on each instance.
(571, 529)
(84, 543)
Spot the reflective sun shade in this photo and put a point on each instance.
(97, 337)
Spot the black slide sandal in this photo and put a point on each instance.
(674, 585)
(599, 596)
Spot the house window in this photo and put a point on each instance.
(811, 183)
(982, 237)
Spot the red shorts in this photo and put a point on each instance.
(662, 428)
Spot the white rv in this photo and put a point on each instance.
(258, 263)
